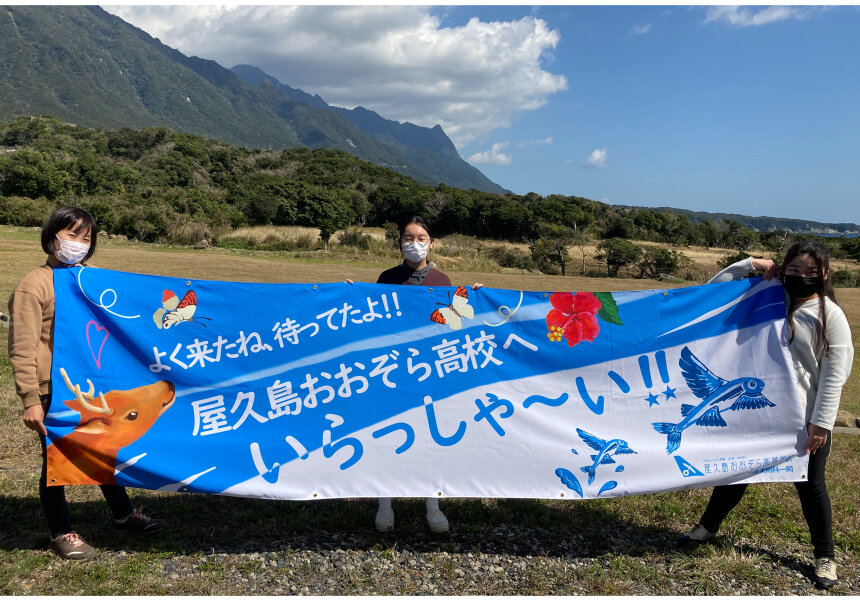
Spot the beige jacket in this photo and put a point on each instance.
(31, 334)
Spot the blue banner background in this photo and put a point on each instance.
(363, 328)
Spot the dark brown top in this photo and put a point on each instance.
(403, 274)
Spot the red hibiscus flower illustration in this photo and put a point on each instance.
(573, 316)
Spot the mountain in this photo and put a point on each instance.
(428, 147)
(761, 223)
(86, 66)
(253, 75)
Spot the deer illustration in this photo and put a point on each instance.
(88, 454)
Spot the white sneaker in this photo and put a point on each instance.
(825, 572)
(698, 534)
(437, 521)
(385, 519)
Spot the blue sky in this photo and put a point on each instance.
(758, 120)
(750, 110)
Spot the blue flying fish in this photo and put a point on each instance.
(605, 450)
(714, 391)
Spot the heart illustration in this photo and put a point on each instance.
(98, 329)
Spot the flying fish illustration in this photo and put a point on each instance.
(744, 393)
(605, 449)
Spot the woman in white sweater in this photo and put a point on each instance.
(822, 353)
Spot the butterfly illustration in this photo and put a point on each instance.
(455, 311)
(173, 310)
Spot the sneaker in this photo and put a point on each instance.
(825, 572)
(698, 534)
(437, 521)
(71, 546)
(137, 522)
(384, 519)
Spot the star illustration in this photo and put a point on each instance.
(670, 392)
(652, 399)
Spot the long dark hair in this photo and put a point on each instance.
(821, 256)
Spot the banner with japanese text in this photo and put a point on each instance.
(304, 391)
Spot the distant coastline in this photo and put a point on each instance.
(762, 223)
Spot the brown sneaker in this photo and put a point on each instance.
(71, 546)
(137, 522)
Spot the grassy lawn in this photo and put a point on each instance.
(766, 529)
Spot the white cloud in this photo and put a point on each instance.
(597, 159)
(493, 156)
(640, 29)
(541, 142)
(397, 60)
(738, 16)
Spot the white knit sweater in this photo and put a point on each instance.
(819, 377)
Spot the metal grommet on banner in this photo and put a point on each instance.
(545, 295)
(665, 293)
(430, 290)
(439, 494)
(315, 287)
(315, 495)
(562, 494)
(187, 283)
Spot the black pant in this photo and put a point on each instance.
(813, 500)
(54, 497)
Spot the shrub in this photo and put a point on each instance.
(355, 239)
(25, 212)
(270, 241)
(511, 258)
(458, 245)
(183, 230)
(845, 278)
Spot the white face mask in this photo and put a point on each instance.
(71, 253)
(415, 251)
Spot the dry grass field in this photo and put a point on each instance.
(619, 546)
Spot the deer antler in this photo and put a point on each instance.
(82, 398)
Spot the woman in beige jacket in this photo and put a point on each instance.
(69, 240)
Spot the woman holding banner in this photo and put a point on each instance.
(69, 239)
(415, 241)
(822, 352)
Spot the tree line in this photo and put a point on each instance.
(155, 184)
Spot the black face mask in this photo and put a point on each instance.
(801, 287)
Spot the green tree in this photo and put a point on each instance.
(551, 247)
(708, 234)
(654, 261)
(777, 242)
(851, 246)
(616, 253)
(619, 226)
(580, 238)
(329, 210)
(745, 239)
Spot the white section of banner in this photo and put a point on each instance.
(755, 444)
